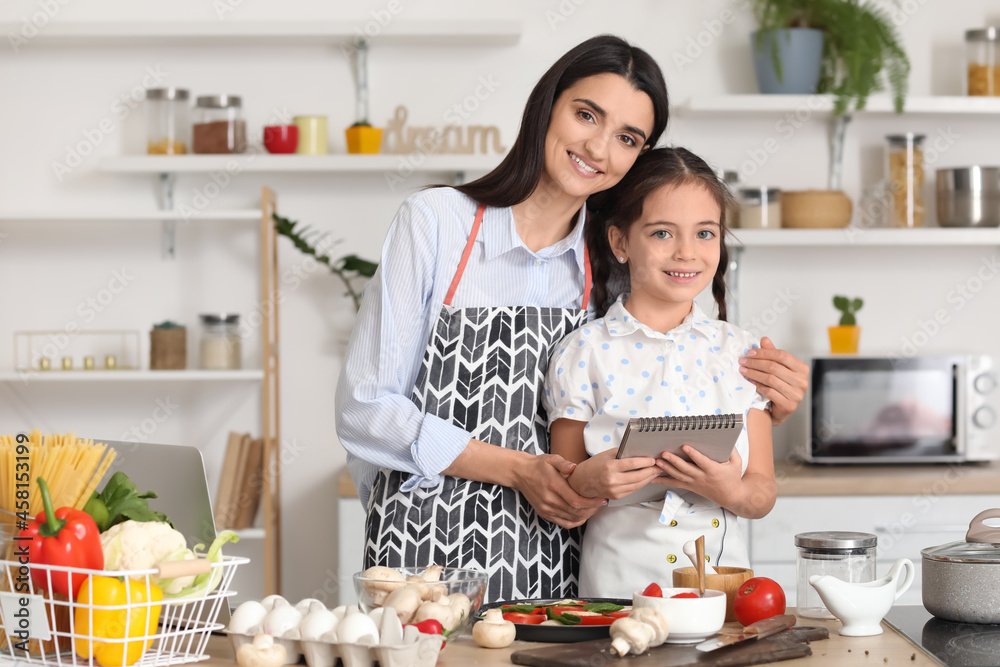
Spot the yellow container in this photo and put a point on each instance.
(312, 135)
(844, 339)
(363, 139)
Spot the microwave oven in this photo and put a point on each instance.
(924, 409)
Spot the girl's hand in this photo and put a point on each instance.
(721, 482)
(604, 476)
(542, 481)
(778, 376)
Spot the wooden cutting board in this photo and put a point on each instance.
(782, 646)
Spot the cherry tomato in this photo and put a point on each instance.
(757, 599)
(528, 619)
(653, 591)
(685, 595)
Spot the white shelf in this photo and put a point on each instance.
(823, 104)
(856, 236)
(245, 162)
(251, 533)
(133, 376)
(252, 214)
(396, 32)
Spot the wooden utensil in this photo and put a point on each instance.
(699, 550)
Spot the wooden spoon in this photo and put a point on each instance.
(699, 550)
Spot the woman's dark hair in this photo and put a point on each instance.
(621, 205)
(514, 179)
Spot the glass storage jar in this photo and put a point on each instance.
(218, 127)
(760, 208)
(168, 121)
(905, 175)
(220, 347)
(848, 556)
(982, 61)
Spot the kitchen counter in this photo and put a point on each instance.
(801, 479)
(889, 648)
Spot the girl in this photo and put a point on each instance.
(656, 353)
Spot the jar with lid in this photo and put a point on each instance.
(760, 208)
(220, 347)
(848, 556)
(982, 61)
(732, 180)
(218, 127)
(168, 121)
(905, 176)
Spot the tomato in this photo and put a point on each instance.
(528, 619)
(620, 614)
(597, 619)
(685, 595)
(757, 599)
(653, 591)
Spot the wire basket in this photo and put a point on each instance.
(69, 632)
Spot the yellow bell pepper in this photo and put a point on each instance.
(110, 624)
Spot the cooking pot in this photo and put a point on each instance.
(968, 197)
(961, 580)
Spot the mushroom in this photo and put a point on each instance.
(405, 601)
(461, 604)
(384, 581)
(493, 631)
(432, 573)
(441, 613)
(628, 634)
(654, 619)
(262, 652)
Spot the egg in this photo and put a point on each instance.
(246, 616)
(317, 623)
(281, 619)
(306, 605)
(272, 600)
(354, 627)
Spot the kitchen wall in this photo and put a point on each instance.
(55, 99)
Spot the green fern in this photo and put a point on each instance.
(861, 47)
(347, 268)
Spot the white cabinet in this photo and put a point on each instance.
(903, 524)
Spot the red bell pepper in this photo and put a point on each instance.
(66, 537)
(430, 626)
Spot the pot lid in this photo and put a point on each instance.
(981, 545)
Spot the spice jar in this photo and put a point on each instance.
(220, 342)
(218, 127)
(168, 123)
(848, 556)
(760, 208)
(905, 169)
(982, 60)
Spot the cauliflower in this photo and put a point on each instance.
(134, 545)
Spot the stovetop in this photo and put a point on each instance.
(954, 644)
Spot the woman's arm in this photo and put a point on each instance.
(601, 475)
(751, 495)
(778, 376)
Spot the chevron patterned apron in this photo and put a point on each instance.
(483, 370)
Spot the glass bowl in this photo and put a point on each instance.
(454, 581)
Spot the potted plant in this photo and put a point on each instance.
(788, 47)
(844, 338)
(361, 136)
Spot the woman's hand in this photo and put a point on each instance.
(778, 376)
(604, 476)
(721, 482)
(543, 481)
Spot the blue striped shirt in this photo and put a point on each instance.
(377, 422)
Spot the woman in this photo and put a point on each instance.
(445, 440)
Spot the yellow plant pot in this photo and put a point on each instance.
(844, 339)
(363, 139)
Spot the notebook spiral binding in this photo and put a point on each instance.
(688, 423)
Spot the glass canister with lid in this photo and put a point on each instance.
(218, 125)
(848, 556)
(905, 171)
(760, 208)
(220, 347)
(168, 121)
(982, 61)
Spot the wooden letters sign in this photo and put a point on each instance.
(451, 139)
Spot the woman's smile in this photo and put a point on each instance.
(586, 168)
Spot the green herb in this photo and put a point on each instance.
(520, 608)
(167, 324)
(565, 619)
(120, 501)
(603, 607)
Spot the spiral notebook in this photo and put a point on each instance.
(712, 435)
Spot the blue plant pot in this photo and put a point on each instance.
(800, 51)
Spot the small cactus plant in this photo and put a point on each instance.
(848, 307)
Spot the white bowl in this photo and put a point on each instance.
(689, 619)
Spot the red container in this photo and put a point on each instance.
(281, 138)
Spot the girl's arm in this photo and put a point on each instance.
(751, 495)
(601, 475)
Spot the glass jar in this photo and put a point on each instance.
(220, 347)
(905, 176)
(760, 208)
(732, 180)
(218, 127)
(847, 556)
(168, 122)
(982, 61)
